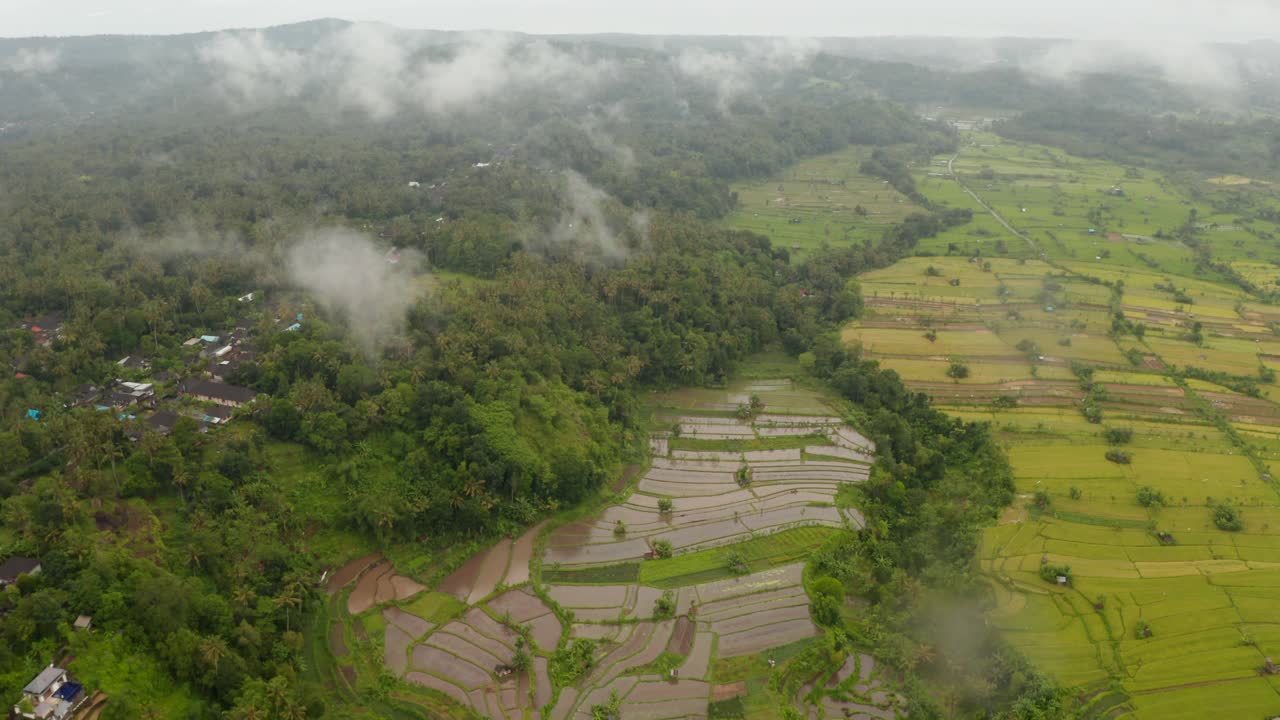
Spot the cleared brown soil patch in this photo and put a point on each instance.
(444, 664)
(338, 641)
(386, 592)
(480, 575)
(362, 598)
(627, 476)
(480, 657)
(412, 624)
(546, 631)
(476, 618)
(752, 620)
(694, 707)
(521, 552)
(589, 596)
(406, 588)
(681, 641)
(498, 648)
(727, 691)
(541, 682)
(435, 683)
(759, 639)
(396, 650)
(345, 574)
(664, 690)
(520, 604)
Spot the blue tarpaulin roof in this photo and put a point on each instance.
(68, 690)
(210, 338)
(34, 414)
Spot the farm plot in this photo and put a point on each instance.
(821, 200)
(739, 522)
(747, 615)
(719, 497)
(470, 659)
(1135, 531)
(853, 691)
(506, 563)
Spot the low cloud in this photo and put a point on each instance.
(251, 72)
(380, 72)
(737, 75)
(1183, 63)
(40, 61)
(594, 227)
(349, 276)
(185, 240)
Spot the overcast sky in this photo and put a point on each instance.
(1174, 19)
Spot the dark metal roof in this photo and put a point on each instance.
(217, 391)
(15, 566)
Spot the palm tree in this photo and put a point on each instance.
(182, 478)
(213, 650)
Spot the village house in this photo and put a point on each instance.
(45, 328)
(52, 695)
(15, 567)
(126, 394)
(134, 362)
(163, 421)
(84, 396)
(218, 415)
(221, 393)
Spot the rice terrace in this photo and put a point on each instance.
(678, 600)
(1129, 371)
(619, 362)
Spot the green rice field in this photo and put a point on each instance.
(1169, 609)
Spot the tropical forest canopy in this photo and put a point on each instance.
(457, 269)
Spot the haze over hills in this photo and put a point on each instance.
(353, 371)
(67, 77)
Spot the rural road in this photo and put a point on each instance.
(999, 218)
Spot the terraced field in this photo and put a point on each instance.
(822, 200)
(720, 497)
(1165, 611)
(667, 627)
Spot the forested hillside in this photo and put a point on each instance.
(580, 220)
(270, 301)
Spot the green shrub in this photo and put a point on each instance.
(1118, 436)
(958, 370)
(573, 661)
(1042, 500)
(1150, 497)
(1142, 629)
(1227, 518)
(665, 505)
(665, 606)
(662, 548)
(1050, 573)
(1119, 457)
(1005, 402)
